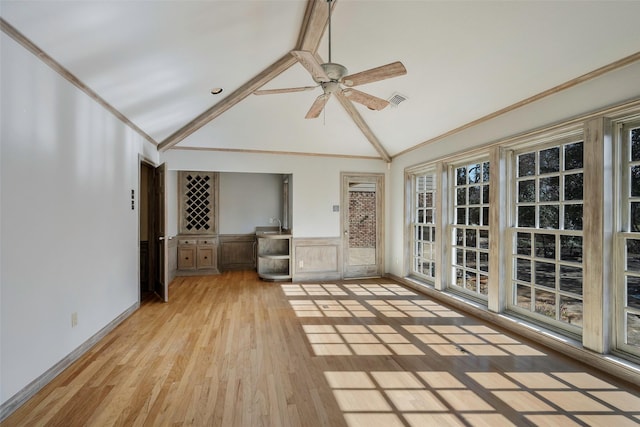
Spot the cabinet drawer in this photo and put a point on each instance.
(206, 242)
(187, 242)
(205, 257)
(186, 258)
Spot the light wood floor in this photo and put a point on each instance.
(231, 350)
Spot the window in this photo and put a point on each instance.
(423, 225)
(628, 279)
(470, 228)
(547, 237)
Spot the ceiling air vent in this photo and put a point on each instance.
(396, 99)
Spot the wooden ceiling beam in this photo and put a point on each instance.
(314, 24)
(235, 97)
(364, 128)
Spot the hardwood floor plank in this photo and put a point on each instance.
(231, 350)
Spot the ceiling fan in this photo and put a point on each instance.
(332, 77)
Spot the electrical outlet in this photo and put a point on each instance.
(74, 319)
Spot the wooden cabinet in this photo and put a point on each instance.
(197, 255)
(237, 252)
(274, 256)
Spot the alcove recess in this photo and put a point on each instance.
(198, 223)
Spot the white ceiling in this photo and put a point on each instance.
(156, 62)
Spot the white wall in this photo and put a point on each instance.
(248, 200)
(69, 238)
(316, 181)
(611, 89)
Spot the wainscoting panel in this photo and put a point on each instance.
(317, 259)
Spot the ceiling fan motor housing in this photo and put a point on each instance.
(334, 71)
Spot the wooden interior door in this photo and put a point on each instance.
(362, 225)
(161, 239)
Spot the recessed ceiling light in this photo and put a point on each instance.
(216, 90)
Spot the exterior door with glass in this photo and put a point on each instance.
(362, 225)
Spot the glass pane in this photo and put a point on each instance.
(461, 175)
(470, 258)
(550, 160)
(571, 310)
(635, 144)
(461, 196)
(546, 303)
(461, 216)
(470, 281)
(545, 274)
(485, 171)
(633, 255)
(474, 195)
(550, 189)
(428, 200)
(484, 239)
(550, 216)
(459, 235)
(635, 181)
(571, 248)
(523, 296)
(471, 238)
(433, 234)
(362, 223)
(459, 257)
(475, 173)
(485, 194)
(421, 201)
(485, 216)
(634, 217)
(474, 216)
(571, 279)
(573, 186)
(545, 245)
(527, 191)
(526, 216)
(527, 164)
(420, 216)
(484, 262)
(483, 284)
(427, 251)
(428, 217)
(523, 243)
(459, 277)
(573, 156)
(633, 329)
(573, 217)
(633, 292)
(523, 270)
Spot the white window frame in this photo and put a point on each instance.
(420, 248)
(559, 140)
(483, 227)
(623, 201)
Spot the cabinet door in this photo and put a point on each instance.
(186, 257)
(206, 258)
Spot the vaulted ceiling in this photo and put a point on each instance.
(155, 62)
